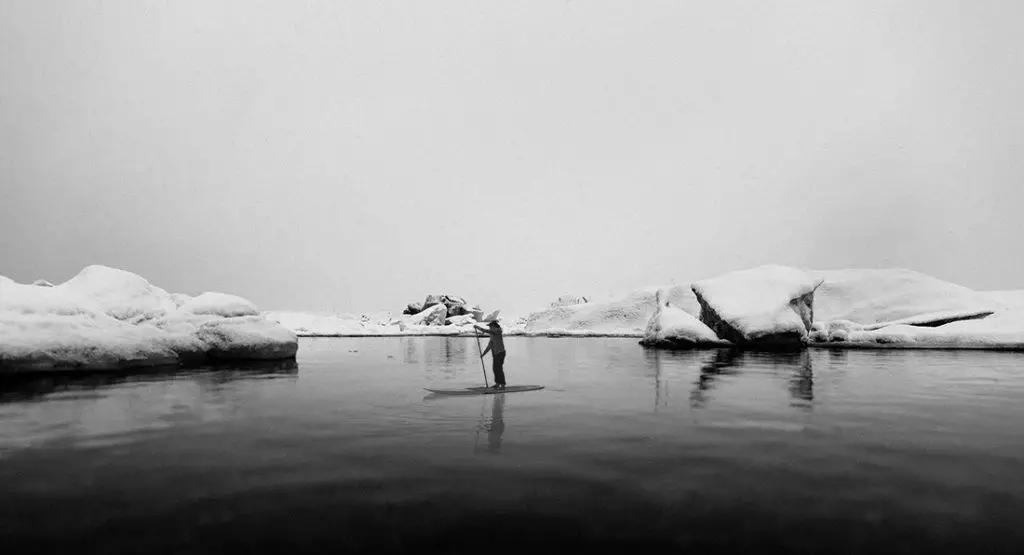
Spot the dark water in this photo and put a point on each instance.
(848, 451)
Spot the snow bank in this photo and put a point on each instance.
(105, 318)
(997, 333)
(247, 337)
(34, 342)
(376, 324)
(120, 294)
(869, 296)
(768, 305)
(219, 304)
(905, 309)
(626, 316)
(673, 327)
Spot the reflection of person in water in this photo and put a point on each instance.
(497, 428)
(495, 425)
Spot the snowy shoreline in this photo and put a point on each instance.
(109, 319)
(769, 307)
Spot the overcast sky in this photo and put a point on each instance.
(358, 155)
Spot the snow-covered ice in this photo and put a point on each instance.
(625, 316)
(673, 327)
(855, 308)
(105, 318)
(871, 296)
(219, 304)
(899, 308)
(769, 305)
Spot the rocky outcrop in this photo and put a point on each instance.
(433, 316)
(431, 300)
(765, 307)
(454, 306)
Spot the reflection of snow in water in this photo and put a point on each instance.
(112, 410)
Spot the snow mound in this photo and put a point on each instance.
(105, 318)
(120, 294)
(673, 327)
(970, 335)
(767, 306)
(377, 324)
(219, 304)
(626, 316)
(896, 308)
(933, 319)
(247, 337)
(899, 308)
(32, 342)
(314, 324)
(871, 296)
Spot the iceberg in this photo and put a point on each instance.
(219, 304)
(105, 318)
(873, 296)
(247, 337)
(673, 327)
(898, 308)
(625, 316)
(767, 306)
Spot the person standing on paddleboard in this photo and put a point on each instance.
(496, 345)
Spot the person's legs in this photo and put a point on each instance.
(499, 368)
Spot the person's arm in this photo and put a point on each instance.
(477, 328)
(487, 350)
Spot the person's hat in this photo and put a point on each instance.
(494, 324)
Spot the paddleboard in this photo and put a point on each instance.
(485, 390)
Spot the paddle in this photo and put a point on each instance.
(481, 351)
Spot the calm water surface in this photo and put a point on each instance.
(855, 451)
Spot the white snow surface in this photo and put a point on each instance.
(882, 308)
(219, 304)
(756, 302)
(624, 316)
(105, 318)
(870, 308)
(120, 294)
(872, 296)
(670, 325)
(372, 324)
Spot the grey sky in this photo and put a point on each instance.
(358, 155)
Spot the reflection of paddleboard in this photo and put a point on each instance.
(485, 390)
